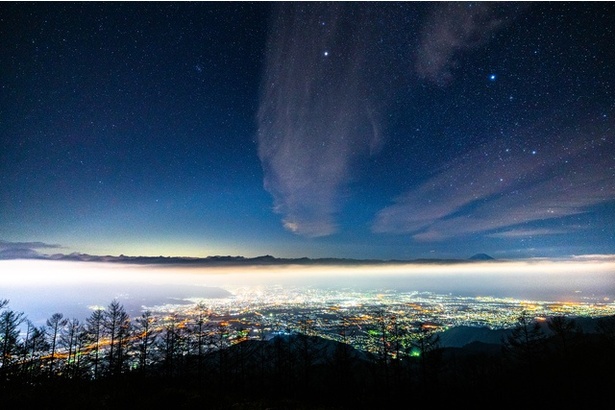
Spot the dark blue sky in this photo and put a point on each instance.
(359, 130)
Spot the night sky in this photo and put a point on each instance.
(353, 130)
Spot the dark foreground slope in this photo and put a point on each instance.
(573, 368)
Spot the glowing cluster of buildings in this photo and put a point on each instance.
(361, 317)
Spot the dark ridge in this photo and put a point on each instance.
(301, 372)
(218, 260)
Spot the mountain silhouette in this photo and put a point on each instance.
(481, 257)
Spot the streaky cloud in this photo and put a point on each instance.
(499, 187)
(317, 113)
(453, 28)
(525, 233)
(597, 257)
(25, 250)
(27, 245)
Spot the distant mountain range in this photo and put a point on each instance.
(223, 260)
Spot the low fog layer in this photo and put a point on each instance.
(41, 288)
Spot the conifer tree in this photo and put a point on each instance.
(93, 336)
(9, 338)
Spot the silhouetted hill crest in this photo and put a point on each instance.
(219, 260)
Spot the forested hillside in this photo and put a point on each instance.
(115, 361)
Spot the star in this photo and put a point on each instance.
(344, 147)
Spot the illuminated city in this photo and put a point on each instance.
(345, 314)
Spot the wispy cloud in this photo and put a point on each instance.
(4, 245)
(599, 257)
(451, 29)
(526, 233)
(316, 114)
(15, 250)
(498, 187)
